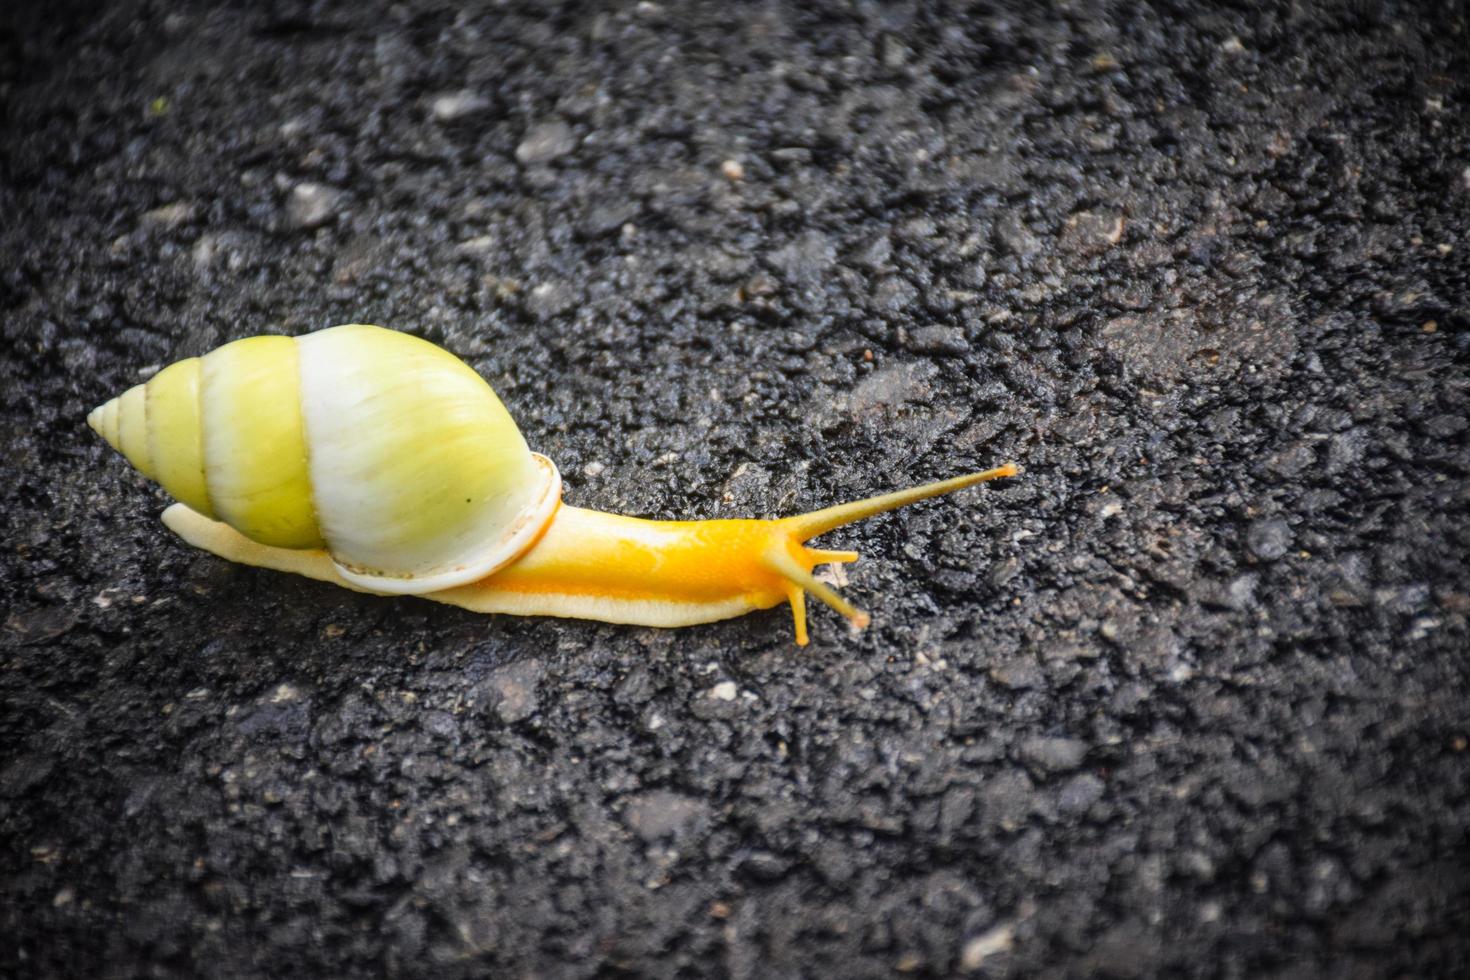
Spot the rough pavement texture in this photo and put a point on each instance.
(1190, 698)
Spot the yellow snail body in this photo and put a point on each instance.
(378, 461)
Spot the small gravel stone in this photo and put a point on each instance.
(1018, 674)
(312, 205)
(660, 814)
(456, 105)
(510, 691)
(1050, 755)
(938, 340)
(479, 245)
(1079, 793)
(894, 293)
(1012, 235)
(549, 299)
(873, 253)
(972, 275)
(440, 724)
(919, 229)
(169, 216)
(1089, 233)
(44, 623)
(992, 942)
(1446, 426)
(764, 866)
(1268, 538)
(792, 154)
(545, 142)
(607, 217)
(805, 259)
(893, 385)
(1006, 799)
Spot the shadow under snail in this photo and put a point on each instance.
(383, 463)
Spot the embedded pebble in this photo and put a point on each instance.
(549, 299)
(1012, 235)
(805, 259)
(511, 691)
(1269, 538)
(479, 245)
(939, 340)
(450, 106)
(1079, 793)
(659, 814)
(1018, 674)
(546, 142)
(1089, 233)
(1050, 755)
(169, 216)
(312, 205)
(894, 293)
(998, 939)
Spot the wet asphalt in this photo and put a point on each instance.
(1188, 699)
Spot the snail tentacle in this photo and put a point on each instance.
(779, 560)
(797, 597)
(809, 525)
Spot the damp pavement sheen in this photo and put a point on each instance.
(1188, 699)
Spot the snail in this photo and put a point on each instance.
(381, 462)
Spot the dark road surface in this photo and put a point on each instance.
(1191, 698)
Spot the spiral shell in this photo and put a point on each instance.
(383, 449)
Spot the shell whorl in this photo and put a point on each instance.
(387, 451)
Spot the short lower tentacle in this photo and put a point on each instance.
(779, 560)
(797, 598)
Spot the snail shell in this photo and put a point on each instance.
(318, 442)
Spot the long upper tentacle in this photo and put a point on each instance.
(790, 569)
(807, 526)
